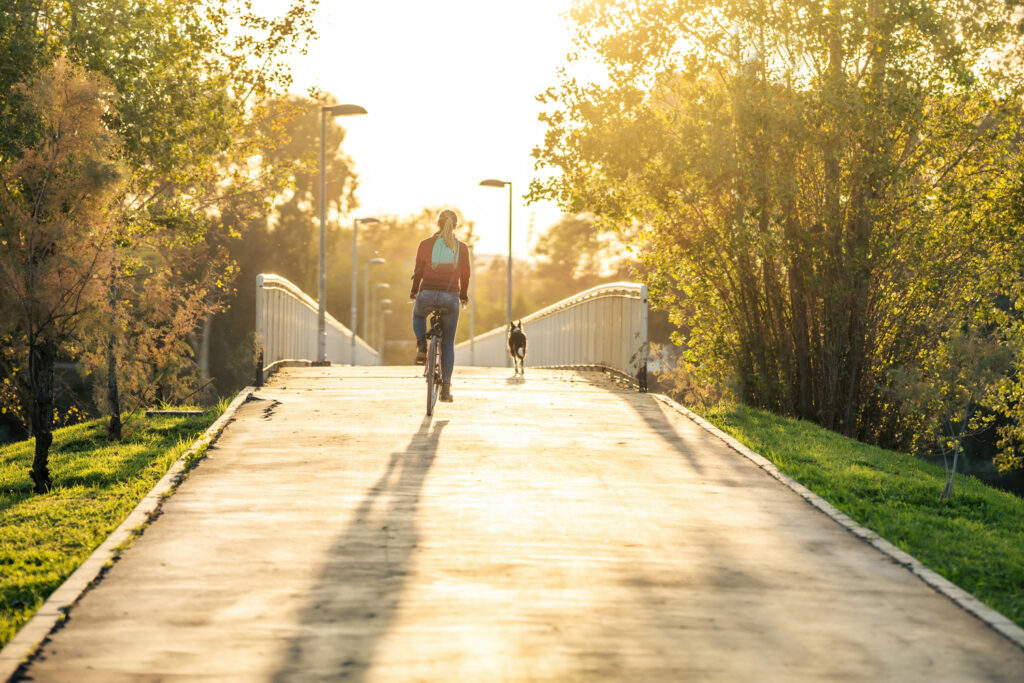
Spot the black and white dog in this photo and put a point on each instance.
(517, 346)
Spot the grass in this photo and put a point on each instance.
(97, 482)
(976, 539)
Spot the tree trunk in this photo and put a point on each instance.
(41, 357)
(114, 428)
(204, 346)
(113, 396)
(875, 170)
(947, 492)
(833, 301)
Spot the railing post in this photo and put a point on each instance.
(261, 327)
(645, 350)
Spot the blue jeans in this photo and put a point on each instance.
(450, 317)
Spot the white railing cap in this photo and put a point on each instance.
(627, 289)
(632, 290)
(271, 281)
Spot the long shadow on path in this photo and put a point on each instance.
(356, 599)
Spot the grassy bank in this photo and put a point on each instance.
(97, 482)
(976, 540)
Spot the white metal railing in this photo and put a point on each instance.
(286, 327)
(605, 326)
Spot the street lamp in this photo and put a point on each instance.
(383, 329)
(491, 182)
(472, 307)
(366, 296)
(376, 293)
(385, 309)
(321, 316)
(355, 281)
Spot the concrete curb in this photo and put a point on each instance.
(962, 598)
(28, 639)
(269, 371)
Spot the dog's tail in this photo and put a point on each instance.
(521, 352)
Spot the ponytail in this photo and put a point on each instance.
(446, 222)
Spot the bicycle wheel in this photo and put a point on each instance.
(433, 373)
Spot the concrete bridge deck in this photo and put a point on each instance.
(556, 529)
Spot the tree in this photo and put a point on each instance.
(819, 186)
(194, 79)
(197, 180)
(21, 50)
(58, 210)
(947, 396)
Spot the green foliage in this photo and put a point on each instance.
(193, 94)
(822, 191)
(975, 539)
(43, 539)
(21, 50)
(1009, 401)
(943, 394)
(191, 75)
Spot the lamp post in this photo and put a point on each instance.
(383, 328)
(385, 309)
(376, 292)
(472, 308)
(491, 182)
(321, 316)
(366, 296)
(354, 317)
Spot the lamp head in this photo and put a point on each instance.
(368, 220)
(491, 182)
(377, 261)
(344, 110)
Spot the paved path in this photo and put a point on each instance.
(549, 530)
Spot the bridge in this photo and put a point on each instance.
(560, 527)
(602, 328)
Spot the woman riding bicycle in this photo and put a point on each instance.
(440, 280)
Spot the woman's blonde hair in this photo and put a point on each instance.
(447, 220)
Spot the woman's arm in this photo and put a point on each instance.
(464, 274)
(422, 256)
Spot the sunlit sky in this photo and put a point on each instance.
(450, 88)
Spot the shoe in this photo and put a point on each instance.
(421, 350)
(446, 392)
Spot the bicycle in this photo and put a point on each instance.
(432, 369)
